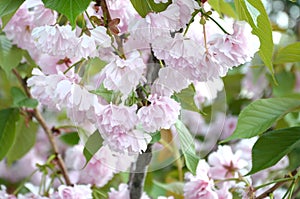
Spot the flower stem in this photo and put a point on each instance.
(38, 116)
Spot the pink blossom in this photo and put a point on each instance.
(123, 192)
(44, 87)
(43, 16)
(165, 85)
(206, 92)
(184, 55)
(100, 168)
(31, 196)
(237, 48)
(60, 90)
(103, 164)
(16, 172)
(74, 192)
(229, 126)
(254, 83)
(86, 47)
(199, 186)
(117, 125)
(124, 75)
(55, 40)
(50, 64)
(168, 18)
(124, 11)
(194, 122)
(101, 37)
(186, 9)
(155, 25)
(199, 189)
(160, 114)
(225, 164)
(19, 28)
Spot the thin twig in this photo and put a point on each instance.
(276, 186)
(38, 116)
(107, 19)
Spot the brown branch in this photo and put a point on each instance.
(107, 20)
(38, 116)
(276, 186)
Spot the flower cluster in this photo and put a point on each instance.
(120, 75)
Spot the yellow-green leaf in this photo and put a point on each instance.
(254, 13)
(288, 54)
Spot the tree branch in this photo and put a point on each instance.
(38, 116)
(107, 20)
(276, 186)
(138, 173)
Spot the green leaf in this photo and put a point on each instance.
(187, 147)
(21, 100)
(260, 115)
(173, 187)
(288, 54)
(186, 98)
(9, 6)
(6, 18)
(71, 138)
(70, 8)
(92, 145)
(104, 93)
(254, 13)
(223, 7)
(24, 140)
(285, 83)
(143, 7)
(10, 56)
(155, 137)
(8, 118)
(272, 146)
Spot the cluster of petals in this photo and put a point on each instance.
(200, 186)
(182, 54)
(165, 85)
(155, 25)
(59, 91)
(117, 125)
(237, 48)
(73, 192)
(162, 113)
(124, 75)
(197, 63)
(221, 164)
(103, 164)
(123, 192)
(225, 164)
(62, 41)
(30, 15)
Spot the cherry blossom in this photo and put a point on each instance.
(165, 85)
(117, 125)
(200, 186)
(74, 192)
(124, 75)
(55, 40)
(102, 164)
(225, 164)
(123, 192)
(160, 114)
